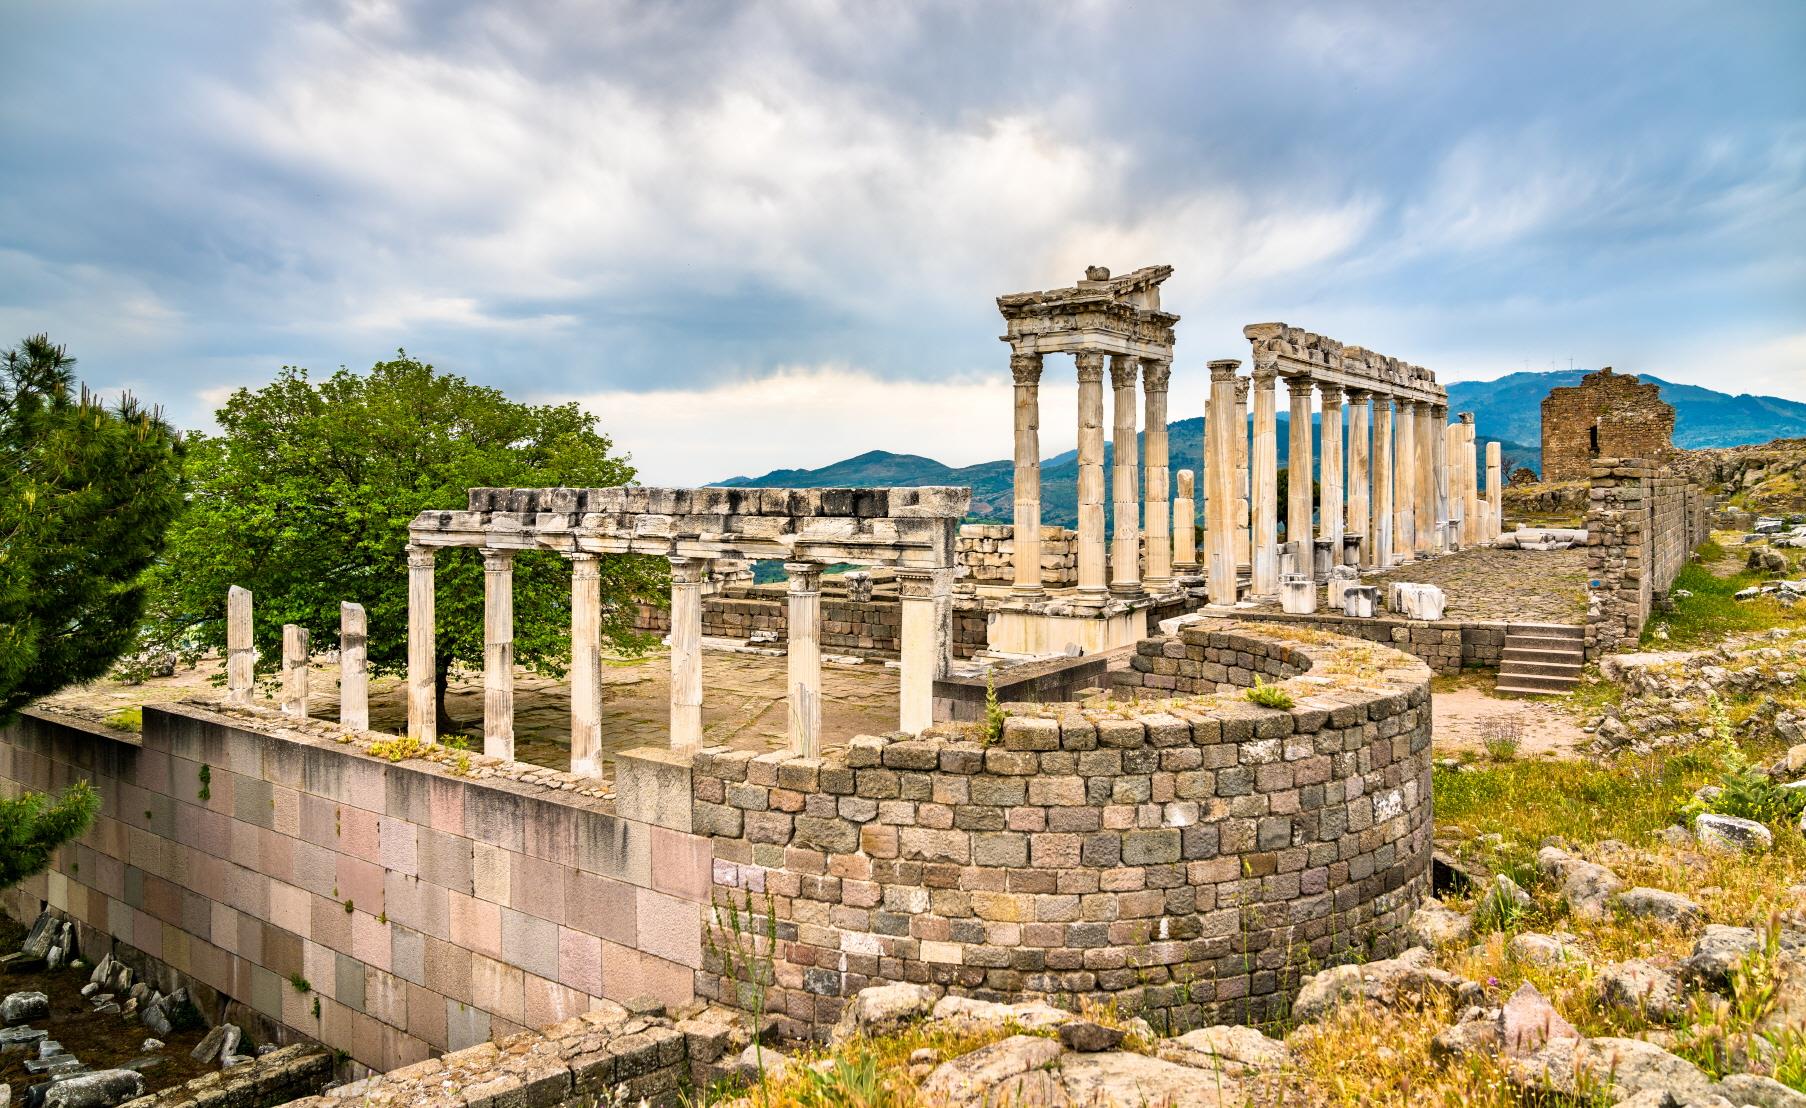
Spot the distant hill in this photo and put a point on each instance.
(1507, 410)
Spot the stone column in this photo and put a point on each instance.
(294, 670)
(804, 696)
(1330, 511)
(1026, 369)
(1439, 474)
(686, 652)
(1495, 493)
(1298, 472)
(1404, 482)
(1091, 475)
(927, 643)
(1451, 474)
(1360, 439)
(1425, 480)
(1154, 376)
(1244, 543)
(1125, 558)
(241, 652)
(1185, 527)
(1382, 483)
(1263, 473)
(498, 653)
(586, 664)
(354, 667)
(423, 707)
(1470, 494)
(1219, 483)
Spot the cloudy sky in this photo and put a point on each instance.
(756, 235)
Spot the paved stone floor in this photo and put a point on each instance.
(1488, 583)
(742, 702)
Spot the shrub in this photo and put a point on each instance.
(1269, 696)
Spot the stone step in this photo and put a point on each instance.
(1513, 652)
(1513, 669)
(1547, 631)
(1538, 686)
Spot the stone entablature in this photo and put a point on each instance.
(1293, 351)
(1188, 857)
(1608, 415)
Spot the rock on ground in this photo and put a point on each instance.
(1029, 1015)
(1123, 1079)
(1233, 1049)
(1528, 1020)
(100, 1089)
(973, 1078)
(883, 1009)
(1718, 953)
(1731, 833)
(1391, 983)
(20, 1008)
(1539, 949)
(1090, 1038)
(1586, 886)
(1763, 1092)
(1641, 986)
(1625, 1067)
(1662, 906)
(1436, 927)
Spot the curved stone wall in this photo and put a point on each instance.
(1189, 857)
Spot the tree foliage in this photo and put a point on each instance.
(305, 496)
(87, 491)
(32, 827)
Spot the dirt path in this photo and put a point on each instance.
(1466, 717)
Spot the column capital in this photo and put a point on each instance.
(1123, 368)
(1382, 402)
(497, 561)
(1264, 374)
(1465, 417)
(924, 584)
(1025, 367)
(1242, 385)
(1358, 395)
(687, 571)
(805, 577)
(583, 563)
(1223, 369)
(1405, 404)
(1331, 393)
(1090, 365)
(1155, 373)
(420, 557)
(1301, 386)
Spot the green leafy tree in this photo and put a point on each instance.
(32, 827)
(87, 492)
(305, 497)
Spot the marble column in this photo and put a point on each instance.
(1244, 542)
(1185, 526)
(1092, 585)
(1330, 512)
(1263, 474)
(1158, 511)
(686, 652)
(294, 670)
(354, 667)
(1425, 480)
(1404, 482)
(804, 662)
(586, 664)
(1026, 369)
(926, 597)
(1495, 493)
(498, 653)
(1219, 480)
(241, 651)
(1451, 469)
(1439, 473)
(1125, 494)
(1382, 483)
(1360, 504)
(423, 707)
(1470, 493)
(1298, 471)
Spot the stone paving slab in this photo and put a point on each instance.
(1499, 584)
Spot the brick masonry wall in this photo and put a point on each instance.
(1189, 860)
(1643, 523)
(428, 911)
(1631, 418)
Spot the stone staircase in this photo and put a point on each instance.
(1541, 659)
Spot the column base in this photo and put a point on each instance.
(1130, 591)
(1028, 592)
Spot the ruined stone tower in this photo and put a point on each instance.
(1607, 415)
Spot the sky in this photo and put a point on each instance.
(750, 236)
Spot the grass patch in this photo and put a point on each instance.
(1627, 797)
(1713, 612)
(127, 719)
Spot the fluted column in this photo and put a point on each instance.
(1159, 572)
(498, 653)
(1244, 541)
(423, 708)
(1451, 443)
(1360, 476)
(1025, 368)
(1470, 494)
(1439, 470)
(354, 667)
(586, 664)
(686, 652)
(1425, 485)
(1495, 497)
(294, 670)
(1330, 510)
(1298, 471)
(1219, 478)
(926, 597)
(1382, 483)
(804, 620)
(1263, 473)
(1125, 557)
(1092, 585)
(1185, 526)
(1404, 482)
(241, 651)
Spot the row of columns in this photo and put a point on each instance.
(292, 695)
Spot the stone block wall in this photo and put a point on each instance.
(427, 910)
(1188, 859)
(962, 699)
(987, 552)
(1643, 522)
(1445, 645)
(1607, 415)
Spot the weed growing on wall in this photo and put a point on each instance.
(1269, 696)
(743, 942)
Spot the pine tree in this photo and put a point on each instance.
(31, 828)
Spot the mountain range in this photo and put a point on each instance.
(1507, 410)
